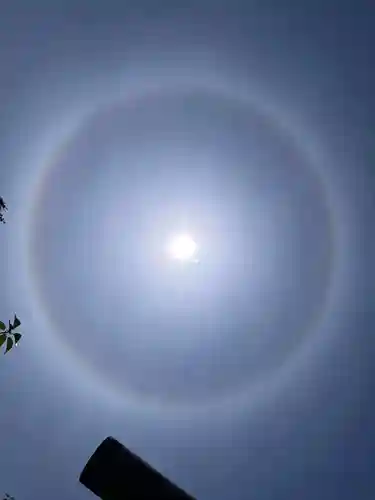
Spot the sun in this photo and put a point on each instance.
(182, 247)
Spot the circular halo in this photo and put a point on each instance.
(46, 166)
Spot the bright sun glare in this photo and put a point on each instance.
(182, 247)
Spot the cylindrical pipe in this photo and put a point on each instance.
(115, 473)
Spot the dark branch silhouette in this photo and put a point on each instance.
(8, 336)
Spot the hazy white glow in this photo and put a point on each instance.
(182, 247)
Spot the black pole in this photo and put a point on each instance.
(115, 473)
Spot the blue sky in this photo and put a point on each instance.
(248, 125)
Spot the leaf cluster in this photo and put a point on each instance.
(8, 335)
(3, 208)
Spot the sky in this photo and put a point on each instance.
(246, 372)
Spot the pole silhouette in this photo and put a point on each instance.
(115, 473)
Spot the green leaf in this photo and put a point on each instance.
(17, 337)
(3, 338)
(10, 343)
(17, 322)
(2, 326)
